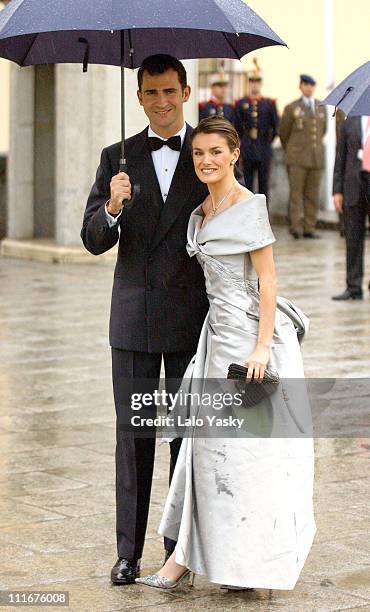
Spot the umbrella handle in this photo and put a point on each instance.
(135, 188)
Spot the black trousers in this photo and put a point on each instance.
(354, 222)
(134, 454)
(262, 168)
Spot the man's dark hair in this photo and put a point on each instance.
(160, 63)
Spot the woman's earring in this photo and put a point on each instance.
(232, 163)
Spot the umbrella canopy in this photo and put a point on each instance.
(124, 32)
(352, 95)
(48, 32)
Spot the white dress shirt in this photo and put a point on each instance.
(310, 103)
(165, 162)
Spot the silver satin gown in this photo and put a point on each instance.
(241, 509)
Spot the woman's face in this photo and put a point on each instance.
(212, 157)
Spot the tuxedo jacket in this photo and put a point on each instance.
(347, 169)
(159, 300)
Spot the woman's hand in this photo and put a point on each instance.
(256, 363)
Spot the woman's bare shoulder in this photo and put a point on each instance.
(242, 193)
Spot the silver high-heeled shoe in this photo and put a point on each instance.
(161, 582)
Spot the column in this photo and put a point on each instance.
(87, 119)
(21, 149)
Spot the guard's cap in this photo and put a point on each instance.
(255, 74)
(254, 77)
(218, 79)
(306, 78)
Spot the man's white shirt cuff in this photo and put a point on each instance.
(110, 219)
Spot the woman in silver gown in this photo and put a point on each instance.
(240, 508)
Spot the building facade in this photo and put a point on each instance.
(55, 119)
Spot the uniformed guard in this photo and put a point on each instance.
(216, 105)
(256, 120)
(302, 128)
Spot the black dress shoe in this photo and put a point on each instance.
(124, 571)
(311, 235)
(296, 235)
(347, 295)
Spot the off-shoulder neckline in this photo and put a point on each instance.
(255, 195)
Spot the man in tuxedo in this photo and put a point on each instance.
(159, 300)
(351, 191)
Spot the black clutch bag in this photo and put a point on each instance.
(252, 393)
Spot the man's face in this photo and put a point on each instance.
(218, 92)
(162, 99)
(307, 89)
(255, 88)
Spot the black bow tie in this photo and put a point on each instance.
(157, 143)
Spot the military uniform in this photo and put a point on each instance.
(301, 132)
(214, 108)
(256, 120)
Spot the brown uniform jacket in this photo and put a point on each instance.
(301, 133)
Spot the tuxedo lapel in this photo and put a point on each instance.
(141, 170)
(182, 186)
(358, 128)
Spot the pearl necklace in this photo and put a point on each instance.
(215, 207)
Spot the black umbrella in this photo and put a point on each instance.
(352, 95)
(122, 33)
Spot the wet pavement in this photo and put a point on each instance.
(57, 429)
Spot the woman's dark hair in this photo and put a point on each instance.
(221, 126)
(160, 63)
